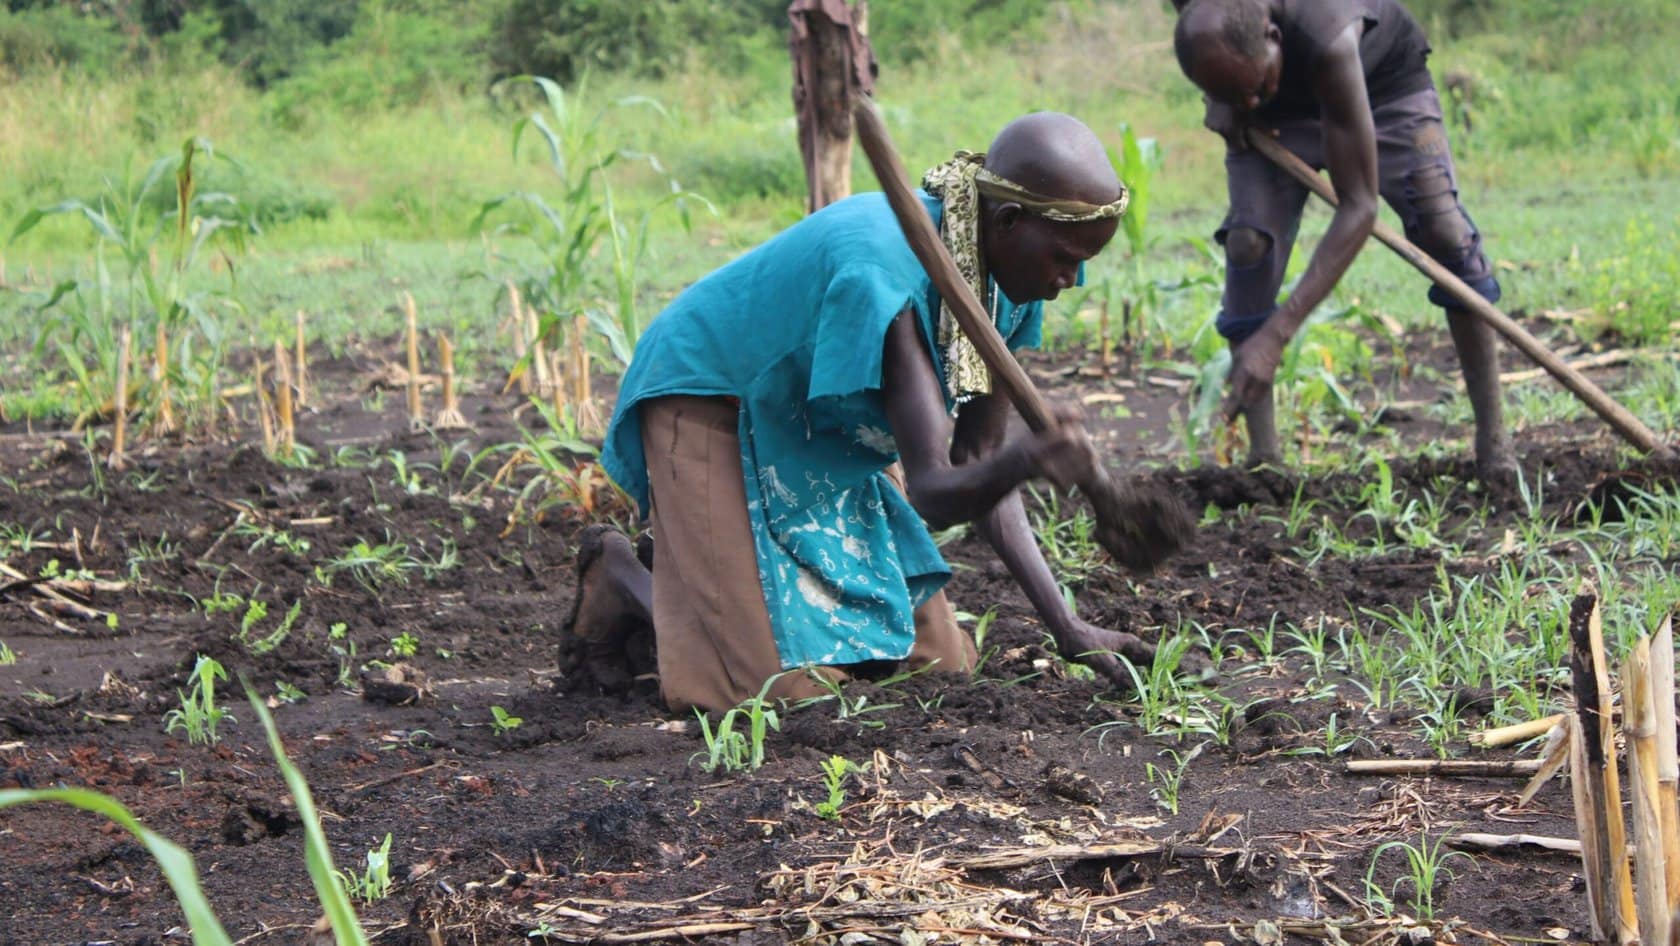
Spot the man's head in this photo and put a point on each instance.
(1231, 49)
(1057, 157)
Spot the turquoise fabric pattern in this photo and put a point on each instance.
(794, 330)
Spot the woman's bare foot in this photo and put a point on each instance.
(604, 617)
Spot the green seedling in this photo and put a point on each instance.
(834, 772)
(181, 871)
(374, 882)
(7, 655)
(731, 750)
(1426, 867)
(405, 645)
(287, 693)
(1166, 781)
(199, 715)
(502, 722)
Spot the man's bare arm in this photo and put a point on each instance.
(1350, 151)
(1350, 148)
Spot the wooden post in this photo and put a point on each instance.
(416, 411)
(119, 437)
(832, 62)
(1593, 780)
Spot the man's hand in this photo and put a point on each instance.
(1063, 454)
(1253, 365)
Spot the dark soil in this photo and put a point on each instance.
(1015, 807)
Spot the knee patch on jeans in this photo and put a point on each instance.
(1246, 247)
(1438, 224)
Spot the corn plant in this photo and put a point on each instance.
(181, 871)
(198, 714)
(374, 882)
(1166, 781)
(1426, 867)
(729, 748)
(586, 224)
(7, 655)
(147, 295)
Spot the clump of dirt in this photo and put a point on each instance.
(1141, 522)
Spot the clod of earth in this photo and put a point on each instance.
(1142, 523)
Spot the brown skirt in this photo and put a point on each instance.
(715, 646)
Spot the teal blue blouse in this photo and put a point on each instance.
(794, 329)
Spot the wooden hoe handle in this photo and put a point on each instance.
(1589, 393)
(1007, 373)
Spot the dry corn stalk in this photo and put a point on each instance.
(265, 410)
(286, 437)
(1594, 782)
(416, 412)
(119, 437)
(1668, 769)
(540, 365)
(1515, 733)
(164, 420)
(583, 398)
(1639, 722)
(449, 418)
(520, 375)
(301, 382)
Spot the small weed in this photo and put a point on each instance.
(199, 715)
(7, 655)
(502, 722)
(287, 693)
(834, 772)
(405, 645)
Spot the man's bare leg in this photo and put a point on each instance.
(1478, 357)
(614, 596)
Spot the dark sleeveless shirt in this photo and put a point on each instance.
(1393, 49)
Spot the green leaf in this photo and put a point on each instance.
(177, 865)
(317, 855)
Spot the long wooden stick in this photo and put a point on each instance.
(1496, 768)
(1578, 384)
(1473, 841)
(936, 259)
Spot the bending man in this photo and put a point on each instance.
(1343, 84)
(761, 415)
